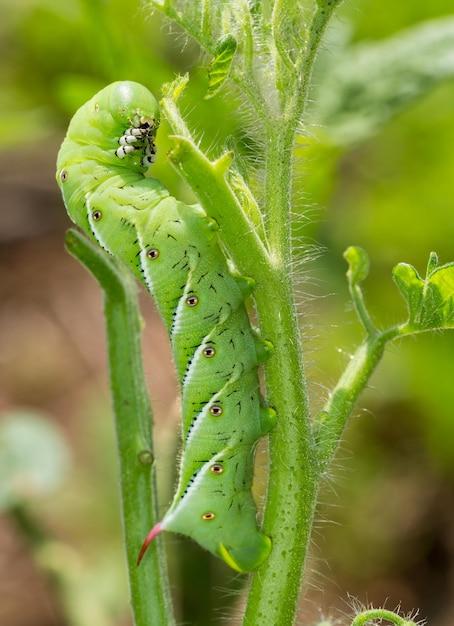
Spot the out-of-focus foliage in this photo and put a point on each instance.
(34, 458)
(34, 466)
(361, 87)
(390, 193)
(57, 55)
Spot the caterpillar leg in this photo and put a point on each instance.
(122, 151)
(263, 348)
(268, 418)
(248, 557)
(139, 137)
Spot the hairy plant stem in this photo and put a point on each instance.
(330, 422)
(293, 484)
(305, 63)
(295, 464)
(150, 597)
(357, 297)
(278, 188)
(373, 615)
(292, 489)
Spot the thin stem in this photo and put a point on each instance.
(305, 63)
(367, 617)
(201, 35)
(278, 189)
(281, 136)
(206, 24)
(248, 37)
(280, 12)
(331, 421)
(149, 588)
(364, 317)
(249, 88)
(293, 484)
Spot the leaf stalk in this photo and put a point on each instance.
(149, 588)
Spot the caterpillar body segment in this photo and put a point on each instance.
(174, 249)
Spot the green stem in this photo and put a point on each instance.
(285, 70)
(292, 489)
(330, 422)
(149, 588)
(278, 189)
(366, 617)
(293, 483)
(248, 39)
(292, 492)
(364, 317)
(305, 64)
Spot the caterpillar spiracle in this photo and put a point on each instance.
(174, 249)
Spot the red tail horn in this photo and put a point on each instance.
(148, 539)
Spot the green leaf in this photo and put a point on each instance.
(432, 264)
(430, 301)
(411, 287)
(219, 68)
(366, 85)
(34, 457)
(358, 264)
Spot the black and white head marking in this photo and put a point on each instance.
(139, 137)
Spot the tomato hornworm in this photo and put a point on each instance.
(174, 249)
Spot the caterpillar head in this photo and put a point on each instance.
(137, 112)
(111, 134)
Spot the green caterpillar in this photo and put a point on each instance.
(174, 249)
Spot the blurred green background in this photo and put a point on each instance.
(376, 175)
